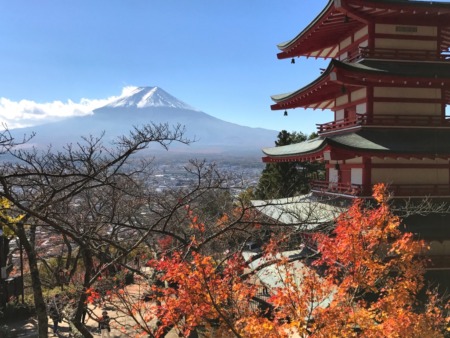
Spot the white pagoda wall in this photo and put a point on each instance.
(407, 92)
(356, 99)
(414, 171)
(401, 107)
(441, 248)
(391, 41)
(406, 108)
(350, 45)
(410, 176)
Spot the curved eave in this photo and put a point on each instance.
(340, 76)
(319, 39)
(410, 74)
(310, 150)
(319, 94)
(339, 18)
(400, 143)
(420, 144)
(438, 70)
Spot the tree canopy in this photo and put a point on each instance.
(286, 179)
(94, 201)
(365, 279)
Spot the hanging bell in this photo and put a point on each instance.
(285, 113)
(292, 60)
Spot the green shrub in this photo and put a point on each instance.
(5, 332)
(15, 311)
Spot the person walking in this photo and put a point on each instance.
(103, 325)
(54, 311)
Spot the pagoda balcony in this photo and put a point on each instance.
(397, 190)
(419, 190)
(385, 120)
(396, 54)
(339, 124)
(335, 188)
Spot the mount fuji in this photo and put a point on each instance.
(147, 105)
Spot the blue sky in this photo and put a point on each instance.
(57, 57)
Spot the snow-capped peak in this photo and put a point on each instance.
(143, 97)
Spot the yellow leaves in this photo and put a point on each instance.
(223, 220)
(380, 193)
(7, 231)
(7, 222)
(260, 327)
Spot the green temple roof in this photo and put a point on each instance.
(421, 69)
(424, 142)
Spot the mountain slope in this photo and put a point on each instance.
(153, 105)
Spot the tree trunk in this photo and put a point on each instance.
(89, 266)
(39, 301)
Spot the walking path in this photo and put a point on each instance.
(28, 328)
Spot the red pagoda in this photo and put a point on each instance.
(388, 84)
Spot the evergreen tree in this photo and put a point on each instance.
(286, 179)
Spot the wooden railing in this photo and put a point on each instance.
(400, 190)
(406, 120)
(385, 120)
(339, 124)
(420, 189)
(437, 262)
(336, 187)
(397, 54)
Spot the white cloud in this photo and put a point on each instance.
(26, 113)
(128, 90)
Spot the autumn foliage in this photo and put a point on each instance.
(366, 281)
(378, 272)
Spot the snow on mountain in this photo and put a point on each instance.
(152, 105)
(145, 97)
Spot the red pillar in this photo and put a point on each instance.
(367, 177)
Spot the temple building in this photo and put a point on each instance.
(388, 84)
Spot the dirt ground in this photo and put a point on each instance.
(28, 328)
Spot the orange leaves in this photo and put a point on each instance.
(380, 193)
(378, 275)
(364, 282)
(165, 242)
(92, 296)
(201, 291)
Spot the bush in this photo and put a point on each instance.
(129, 278)
(15, 311)
(5, 332)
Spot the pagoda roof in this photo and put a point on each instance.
(432, 226)
(342, 76)
(310, 148)
(419, 143)
(308, 212)
(341, 17)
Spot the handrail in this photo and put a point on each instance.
(398, 54)
(385, 120)
(338, 124)
(409, 190)
(420, 189)
(336, 187)
(406, 119)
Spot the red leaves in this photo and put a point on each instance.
(370, 275)
(92, 296)
(165, 243)
(377, 271)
